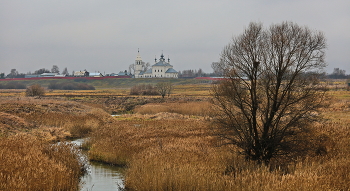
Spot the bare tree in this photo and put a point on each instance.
(41, 71)
(55, 69)
(164, 88)
(200, 72)
(268, 97)
(218, 68)
(132, 69)
(65, 71)
(145, 66)
(13, 73)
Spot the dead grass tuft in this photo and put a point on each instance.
(29, 164)
(185, 108)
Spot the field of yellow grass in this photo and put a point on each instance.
(165, 144)
(52, 119)
(28, 163)
(30, 159)
(170, 146)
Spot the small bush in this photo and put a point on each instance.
(35, 90)
(143, 89)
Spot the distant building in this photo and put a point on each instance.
(95, 75)
(123, 73)
(44, 75)
(32, 76)
(81, 74)
(61, 75)
(160, 69)
(48, 74)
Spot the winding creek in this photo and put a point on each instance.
(101, 176)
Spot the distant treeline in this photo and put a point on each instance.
(13, 85)
(70, 86)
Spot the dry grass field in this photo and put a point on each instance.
(170, 146)
(29, 129)
(28, 163)
(165, 144)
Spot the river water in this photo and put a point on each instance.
(101, 176)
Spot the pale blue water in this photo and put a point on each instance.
(101, 177)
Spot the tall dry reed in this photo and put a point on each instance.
(53, 119)
(201, 108)
(181, 154)
(28, 128)
(29, 164)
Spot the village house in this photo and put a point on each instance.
(81, 74)
(95, 74)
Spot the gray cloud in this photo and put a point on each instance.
(105, 35)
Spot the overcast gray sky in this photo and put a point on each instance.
(104, 35)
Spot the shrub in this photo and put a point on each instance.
(143, 89)
(35, 90)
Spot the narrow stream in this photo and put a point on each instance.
(101, 176)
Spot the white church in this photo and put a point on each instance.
(160, 69)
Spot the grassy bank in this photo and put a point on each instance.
(29, 127)
(28, 163)
(49, 119)
(166, 144)
(170, 146)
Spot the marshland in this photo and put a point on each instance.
(161, 143)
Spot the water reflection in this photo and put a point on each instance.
(101, 176)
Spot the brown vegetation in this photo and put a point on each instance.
(166, 145)
(30, 164)
(35, 90)
(165, 151)
(31, 158)
(164, 88)
(143, 89)
(47, 118)
(185, 108)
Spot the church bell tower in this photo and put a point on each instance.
(138, 64)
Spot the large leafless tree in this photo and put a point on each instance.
(271, 90)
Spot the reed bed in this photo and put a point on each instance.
(30, 157)
(27, 163)
(50, 119)
(199, 108)
(117, 144)
(181, 153)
